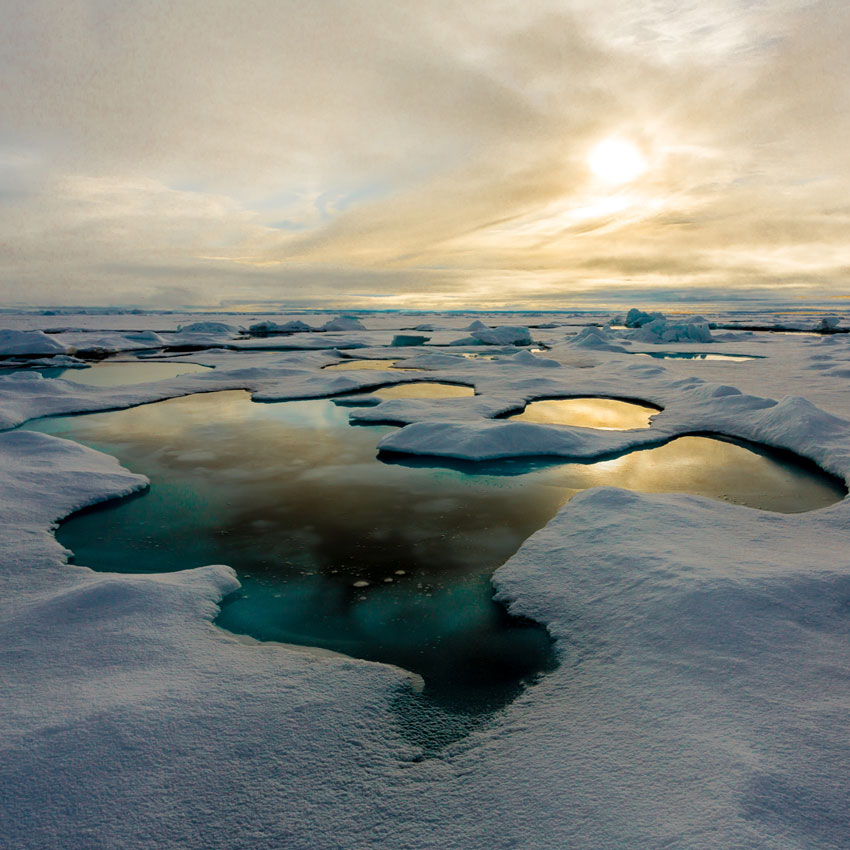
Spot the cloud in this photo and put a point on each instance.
(289, 150)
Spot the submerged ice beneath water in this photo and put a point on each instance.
(334, 549)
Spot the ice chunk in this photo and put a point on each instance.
(502, 335)
(29, 342)
(526, 358)
(600, 339)
(827, 323)
(343, 323)
(660, 330)
(292, 327)
(207, 328)
(400, 340)
(637, 318)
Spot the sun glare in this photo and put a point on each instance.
(616, 161)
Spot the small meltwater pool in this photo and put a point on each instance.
(376, 365)
(587, 412)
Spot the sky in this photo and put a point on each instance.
(432, 155)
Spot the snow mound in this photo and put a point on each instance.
(502, 335)
(58, 360)
(207, 328)
(29, 343)
(343, 323)
(526, 358)
(493, 440)
(292, 327)
(599, 339)
(656, 327)
(637, 318)
(112, 343)
(794, 417)
(151, 337)
(695, 329)
(827, 323)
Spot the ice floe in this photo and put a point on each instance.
(702, 696)
(32, 343)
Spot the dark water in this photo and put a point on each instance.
(383, 561)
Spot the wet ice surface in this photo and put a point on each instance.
(116, 374)
(416, 389)
(384, 561)
(377, 365)
(603, 413)
(424, 389)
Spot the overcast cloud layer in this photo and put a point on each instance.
(429, 154)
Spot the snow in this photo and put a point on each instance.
(502, 335)
(526, 358)
(14, 342)
(828, 323)
(636, 318)
(269, 327)
(208, 328)
(111, 343)
(601, 339)
(343, 323)
(661, 330)
(703, 695)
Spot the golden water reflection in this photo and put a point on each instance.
(603, 413)
(710, 467)
(129, 372)
(370, 365)
(424, 389)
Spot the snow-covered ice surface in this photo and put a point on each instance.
(703, 695)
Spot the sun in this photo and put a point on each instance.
(616, 161)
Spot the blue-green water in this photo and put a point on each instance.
(383, 561)
(334, 548)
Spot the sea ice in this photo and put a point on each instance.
(702, 697)
(343, 323)
(29, 343)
